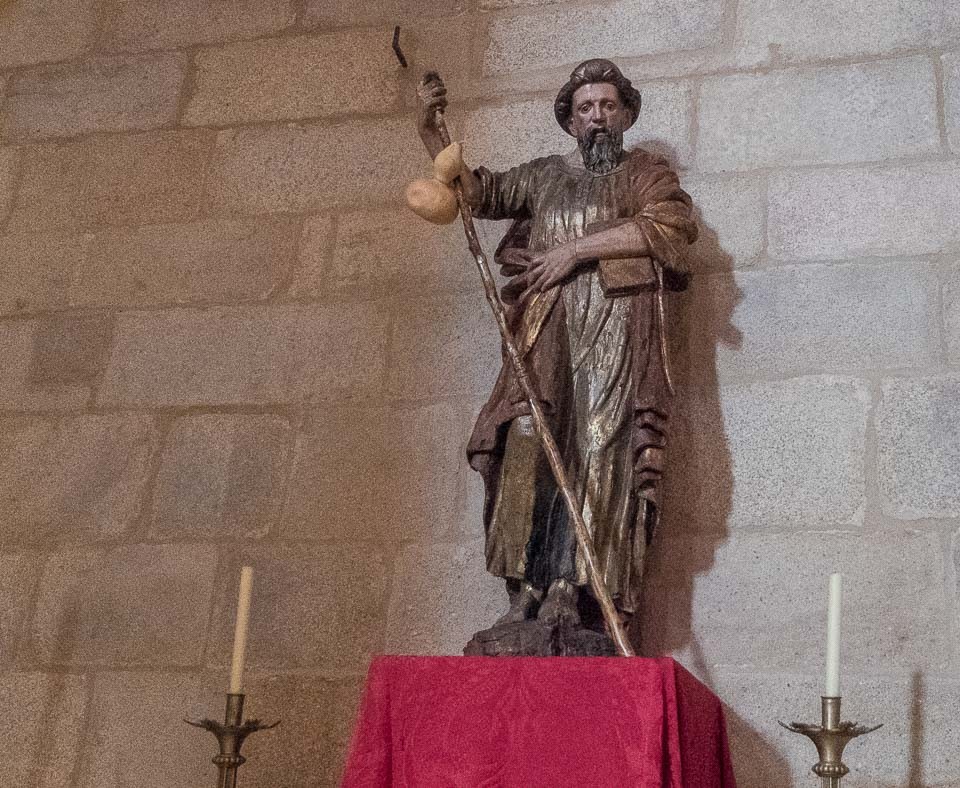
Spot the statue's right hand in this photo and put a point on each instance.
(432, 93)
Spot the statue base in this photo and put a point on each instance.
(535, 639)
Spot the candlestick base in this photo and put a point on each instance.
(830, 738)
(230, 736)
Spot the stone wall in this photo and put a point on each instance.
(224, 341)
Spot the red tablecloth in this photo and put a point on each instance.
(528, 722)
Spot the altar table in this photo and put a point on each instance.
(531, 722)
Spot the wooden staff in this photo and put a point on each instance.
(554, 457)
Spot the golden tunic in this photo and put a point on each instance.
(597, 367)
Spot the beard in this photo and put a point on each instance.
(601, 153)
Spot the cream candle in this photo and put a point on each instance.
(832, 684)
(240, 633)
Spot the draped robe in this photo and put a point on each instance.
(598, 365)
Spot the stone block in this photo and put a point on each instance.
(135, 730)
(146, 178)
(155, 177)
(758, 601)
(343, 13)
(682, 64)
(392, 472)
(915, 752)
(492, 5)
(247, 355)
(503, 136)
(769, 456)
(473, 510)
(320, 609)
(37, 270)
(142, 605)
(732, 217)
(36, 31)
(101, 95)
(42, 728)
(381, 252)
(951, 310)
(331, 492)
(53, 363)
(860, 212)
(442, 595)
(500, 137)
(70, 349)
(309, 748)
(764, 754)
(629, 28)
(815, 318)
(783, 31)
(428, 462)
(444, 347)
(210, 261)
(295, 168)
(311, 274)
(291, 78)
(75, 477)
(665, 122)
(221, 476)
(906, 754)
(447, 44)
(17, 390)
(18, 577)
(473, 506)
(9, 159)
(863, 112)
(139, 25)
(951, 71)
(918, 453)
(48, 193)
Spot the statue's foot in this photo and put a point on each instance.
(560, 604)
(523, 605)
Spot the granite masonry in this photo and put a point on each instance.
(225, 341)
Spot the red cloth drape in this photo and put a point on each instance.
(527, 722)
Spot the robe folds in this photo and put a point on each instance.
(598, 365)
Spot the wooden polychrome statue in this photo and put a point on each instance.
(571, 442)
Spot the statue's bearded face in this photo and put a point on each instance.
(598, 121)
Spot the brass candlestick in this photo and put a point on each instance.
(830, 737)
(230, 735)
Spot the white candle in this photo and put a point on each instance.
(240, 633)
(832, 688)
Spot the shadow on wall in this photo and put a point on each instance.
(915, 762)
(699, 488)
(698, 485)
(699, 477)
(914, 777)
(755, 762)
(54, 700)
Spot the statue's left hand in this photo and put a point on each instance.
(550, 268)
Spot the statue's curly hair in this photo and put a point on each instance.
(590, 72)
